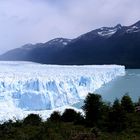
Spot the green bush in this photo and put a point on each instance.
(55, 116)
(32, 119)
(70, 115)
(127, 104)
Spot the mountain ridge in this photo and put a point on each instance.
(105, 45)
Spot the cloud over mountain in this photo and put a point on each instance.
(41, 20)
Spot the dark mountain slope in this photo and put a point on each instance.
(106, 45)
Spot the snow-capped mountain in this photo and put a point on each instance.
(106, 45)
(30, 87)
(101, 32)
(58, 42)
(25, 52)
(134, 28)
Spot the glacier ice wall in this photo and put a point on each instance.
(35, 87)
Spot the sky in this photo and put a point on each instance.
(38, 21)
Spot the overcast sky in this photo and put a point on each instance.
(34, 21)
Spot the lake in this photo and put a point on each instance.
(130, 83)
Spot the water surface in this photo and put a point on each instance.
(130, 83)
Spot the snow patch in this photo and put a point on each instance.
(107, 33)
(133, 29)
(65, 43)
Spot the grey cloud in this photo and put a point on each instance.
(30, 21)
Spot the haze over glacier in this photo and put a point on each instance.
(27, 87)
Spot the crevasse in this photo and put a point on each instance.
(35, 87)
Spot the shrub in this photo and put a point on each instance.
(127, 104)
(69, 115)
(55, 116)
(32, 119)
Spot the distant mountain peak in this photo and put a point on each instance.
(108, 31)
(134, 28)
(60, 41)
(118, 26)
(27, 45)
(137, 24)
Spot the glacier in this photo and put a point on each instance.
(27, 87)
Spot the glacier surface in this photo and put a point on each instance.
(27, 87)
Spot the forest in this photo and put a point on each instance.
(100, 120)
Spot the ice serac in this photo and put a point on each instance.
(29, 86)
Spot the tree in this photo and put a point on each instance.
(55, 116)
(127, 104)
(79, 120)
(139, 101)
(69, 115)
(117, 117)
(32, 119)
(92, 108)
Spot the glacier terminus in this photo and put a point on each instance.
(27, 87)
